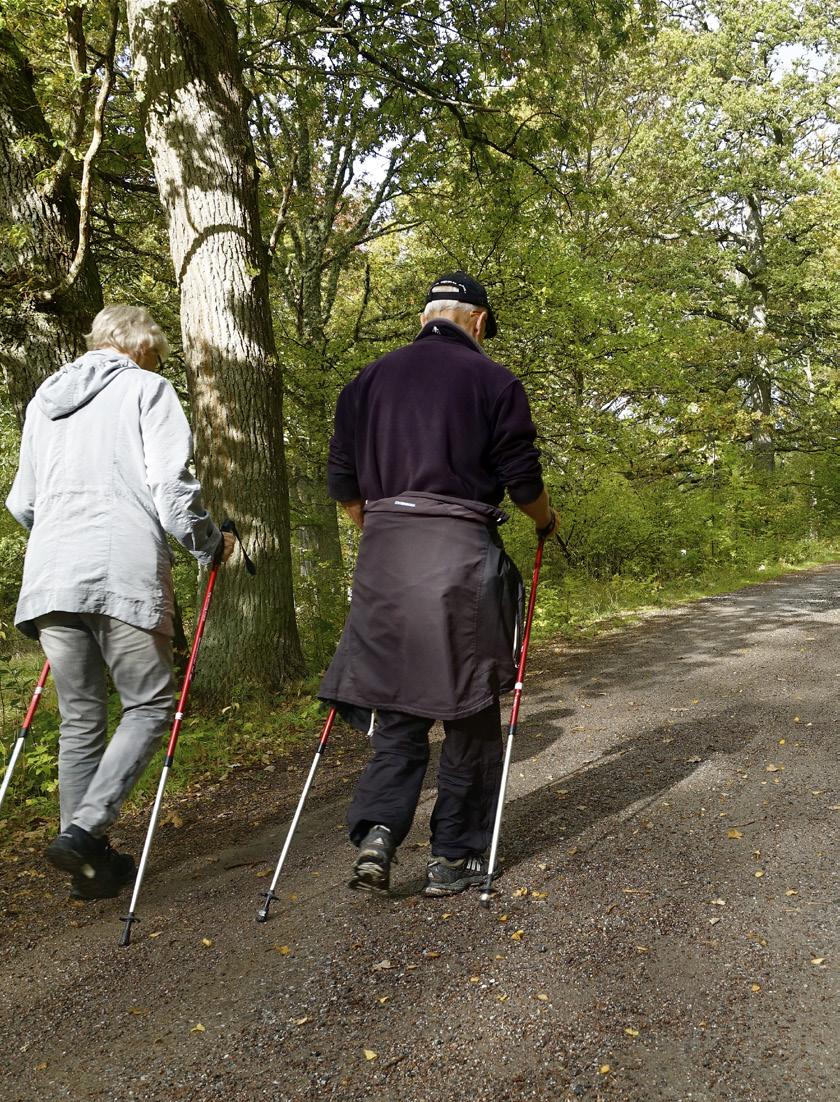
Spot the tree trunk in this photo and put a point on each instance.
(38, 236)
(320, 561)
(189, 81)
(761, 385)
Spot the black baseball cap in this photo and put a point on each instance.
(463, 288)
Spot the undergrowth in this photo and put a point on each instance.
(253, 733)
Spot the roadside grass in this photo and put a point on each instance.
(251, 733)
(578, 606)
(211, 746)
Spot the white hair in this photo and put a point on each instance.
(129, 329)
(449, 307)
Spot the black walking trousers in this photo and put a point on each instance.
(469, 775)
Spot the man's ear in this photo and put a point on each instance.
(420, 319)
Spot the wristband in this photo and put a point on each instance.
(542, 533)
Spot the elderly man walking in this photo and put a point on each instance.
(103, 476)
(426, 441)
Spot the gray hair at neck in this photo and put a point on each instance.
(451, 310)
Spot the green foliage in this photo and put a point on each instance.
(650, 192)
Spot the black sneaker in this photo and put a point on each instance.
(372, 868)
(98, 871)
(448, 877)
(122, 868)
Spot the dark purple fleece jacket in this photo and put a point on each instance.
(437, 416)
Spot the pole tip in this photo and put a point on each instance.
(126, 934)
(262, 916)
(484, 900)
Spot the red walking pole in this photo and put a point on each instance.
(131, 917)
(487, 891)
(24, 730)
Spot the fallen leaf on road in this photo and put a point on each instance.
(817, 960)
(759, 872)
(772, 768)
(604, 1069)
(518, 893)
(138, 1011)
(475, 979)
(631, 1032)
(693, 761)
(503, 918)
(734, 834)
(834, 807)
(207, 942)
(301, 1021)
(517, 935)
(382, 966)
(284, 950)
(172, 819)
(502, 998)
(431, 954)
(198, 1028)
(718, 902)
(157, 933)
(543, 998)
(444, 917)
(383, 999)
(755, 987)
(41, 1067)
(714, 921)
(369, 1053)
(791, 891)
(539, 895)
(642, 948)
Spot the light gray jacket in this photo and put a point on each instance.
(103, 477)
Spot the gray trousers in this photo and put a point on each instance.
(94, 779)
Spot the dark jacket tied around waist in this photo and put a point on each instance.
(434, 619)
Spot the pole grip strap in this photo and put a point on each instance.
(229, 526)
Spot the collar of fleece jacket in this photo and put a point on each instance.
(441, 329)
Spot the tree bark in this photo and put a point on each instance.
(189, 82)
(761, 385)
(39, 230)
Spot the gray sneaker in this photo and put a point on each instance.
(448, 877)
(372, 868)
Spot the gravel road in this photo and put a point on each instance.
(667, 928)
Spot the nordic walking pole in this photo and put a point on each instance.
(131, 917)
(487, 889)
(24, 730)
(262, 914)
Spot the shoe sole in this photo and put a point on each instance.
(89, 890)
(369, 876)
(438, 890)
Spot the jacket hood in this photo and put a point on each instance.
(75, 384)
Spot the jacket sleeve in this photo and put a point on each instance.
(513, 453)
(167, 449)
(21, 499)
(342, 476)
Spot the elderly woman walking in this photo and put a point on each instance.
(103, 477)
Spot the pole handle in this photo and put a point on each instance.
(229, 526)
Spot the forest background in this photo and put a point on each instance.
(649, 190)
